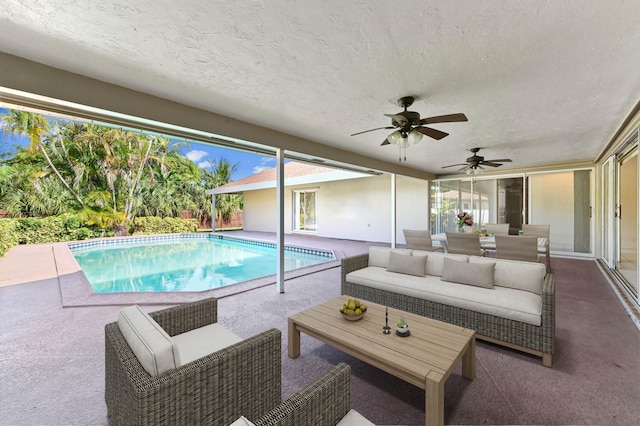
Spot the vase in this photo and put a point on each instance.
(460, 228)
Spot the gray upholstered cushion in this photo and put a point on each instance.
(478, 274)
(435, 260)
(516, 274)
(149, 342)
(403, 264)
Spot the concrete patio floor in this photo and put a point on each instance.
(52, 356)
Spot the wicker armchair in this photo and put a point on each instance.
(323, 403)
(420, 239)
(463, 243)
(213, 390)
(517, 247)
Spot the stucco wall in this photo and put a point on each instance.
(343, 209)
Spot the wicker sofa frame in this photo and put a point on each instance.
(536, 340)
(242, 379)
(323, 403)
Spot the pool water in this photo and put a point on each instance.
(184, 263)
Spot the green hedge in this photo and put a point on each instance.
(167, 225)
(70, 227)
(8, 235)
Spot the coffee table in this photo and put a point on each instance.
(425, 359)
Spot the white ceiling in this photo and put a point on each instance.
(540, 81)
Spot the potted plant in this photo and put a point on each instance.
(402, 328)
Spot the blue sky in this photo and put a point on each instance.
(200, 153)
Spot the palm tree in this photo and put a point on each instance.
(220, 174)
(34, 126)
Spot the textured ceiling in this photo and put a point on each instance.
(540, 81)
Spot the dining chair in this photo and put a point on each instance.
(497, 228)
(420, 239)
(517, 247)
(465, 243)
(540, 231)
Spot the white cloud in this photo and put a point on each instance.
(264, 164)
(258, 169)
(204, 165)
(196, 155)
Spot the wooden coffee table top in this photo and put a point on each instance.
(430, 353)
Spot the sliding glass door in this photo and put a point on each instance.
(627, 213)
(490, 201)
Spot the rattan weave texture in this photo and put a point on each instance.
(527, 337)
(242, 379)
(323, 403)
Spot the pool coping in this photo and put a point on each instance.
(76, 291)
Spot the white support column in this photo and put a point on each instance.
(393, 210)
(280, 226)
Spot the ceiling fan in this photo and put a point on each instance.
(476, 162)
(410, 127)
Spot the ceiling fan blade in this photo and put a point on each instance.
(371, 130)
(397, 118)
(448, 118)
(454, 165)
(491, 164)
(502, 160)
(432, 133)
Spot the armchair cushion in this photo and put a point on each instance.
(242, 421)
(353, 418)
(149, 342)
(202, 341)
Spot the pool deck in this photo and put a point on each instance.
(36, 262)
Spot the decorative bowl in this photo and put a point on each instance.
(353, 317)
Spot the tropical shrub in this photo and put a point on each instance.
(8, 235)
(167, 225)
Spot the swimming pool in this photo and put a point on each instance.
(184, 262)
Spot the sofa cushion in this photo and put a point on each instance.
(379, 256)
(435, 260)
(353, 418)
(403, 264)
(502, 302)
(149, 342)
(528, 276)
(199, 342)
(478, 274)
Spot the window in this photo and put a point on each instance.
(304, 210)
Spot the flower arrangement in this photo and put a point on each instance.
(465, 218)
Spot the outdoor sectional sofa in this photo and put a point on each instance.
(511, 303)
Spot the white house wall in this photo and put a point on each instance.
(343, 209)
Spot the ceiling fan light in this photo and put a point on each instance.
(394, 137)
(415, 136)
